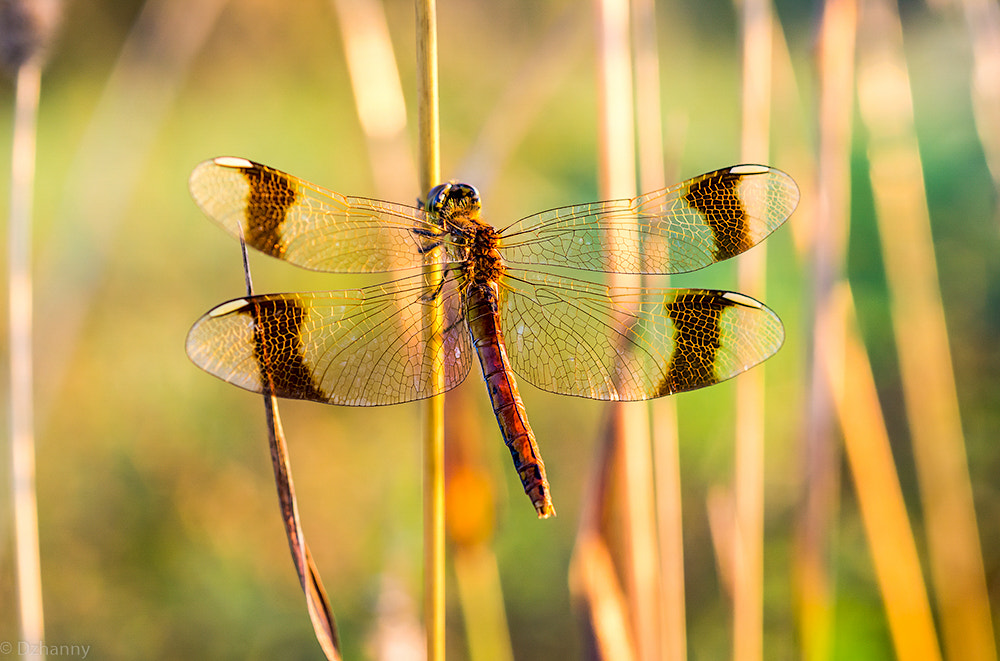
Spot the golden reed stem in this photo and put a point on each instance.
(429, 166)
(669, 533)
(617, 179)
(821, 480)
(22, 443)
(748, 488)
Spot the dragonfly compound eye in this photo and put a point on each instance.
(448, 197)
(437, 196)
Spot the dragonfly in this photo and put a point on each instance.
(501, 294)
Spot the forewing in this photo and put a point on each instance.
(578, 338)
(362, 347)
(304, 224)
(691, 225)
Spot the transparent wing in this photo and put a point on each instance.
(691, 225)
(362, 347)
(577, 338)
(304, 224)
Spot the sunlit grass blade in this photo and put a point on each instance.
(929, 390)
(880, 498)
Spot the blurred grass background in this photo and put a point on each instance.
(159, 527)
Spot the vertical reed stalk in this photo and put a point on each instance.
(22, 444)
(748, 566)
(918, 320)
(378, 96)
(817, 515)
(665, 439)
(631, 430)
(429, 165)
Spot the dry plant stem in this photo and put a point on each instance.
(922, 338)
(670, 529)
(378, 96)
(817, 515)
(665, 441)
(593, 575)
(793, 143)
(983, 20)
(429, 173)
(317, 602)
(22, 443)
(748, 579)
(617, 180)
(880, 498)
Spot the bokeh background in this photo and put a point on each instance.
(159, 527)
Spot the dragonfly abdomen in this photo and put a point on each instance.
(484, 324)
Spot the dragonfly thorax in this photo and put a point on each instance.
(457, 206)
(485, 265)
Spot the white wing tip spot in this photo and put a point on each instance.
(742, 299)
(232, 162)
(229, 307)
(749, 169)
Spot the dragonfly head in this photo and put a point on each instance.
(447, 199)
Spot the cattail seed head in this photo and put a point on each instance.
(26, 29)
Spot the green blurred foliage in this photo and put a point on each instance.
(160, 531)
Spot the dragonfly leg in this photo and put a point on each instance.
(427, 298)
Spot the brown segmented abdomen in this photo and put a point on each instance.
(484, 324)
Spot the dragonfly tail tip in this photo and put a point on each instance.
(545, 510)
